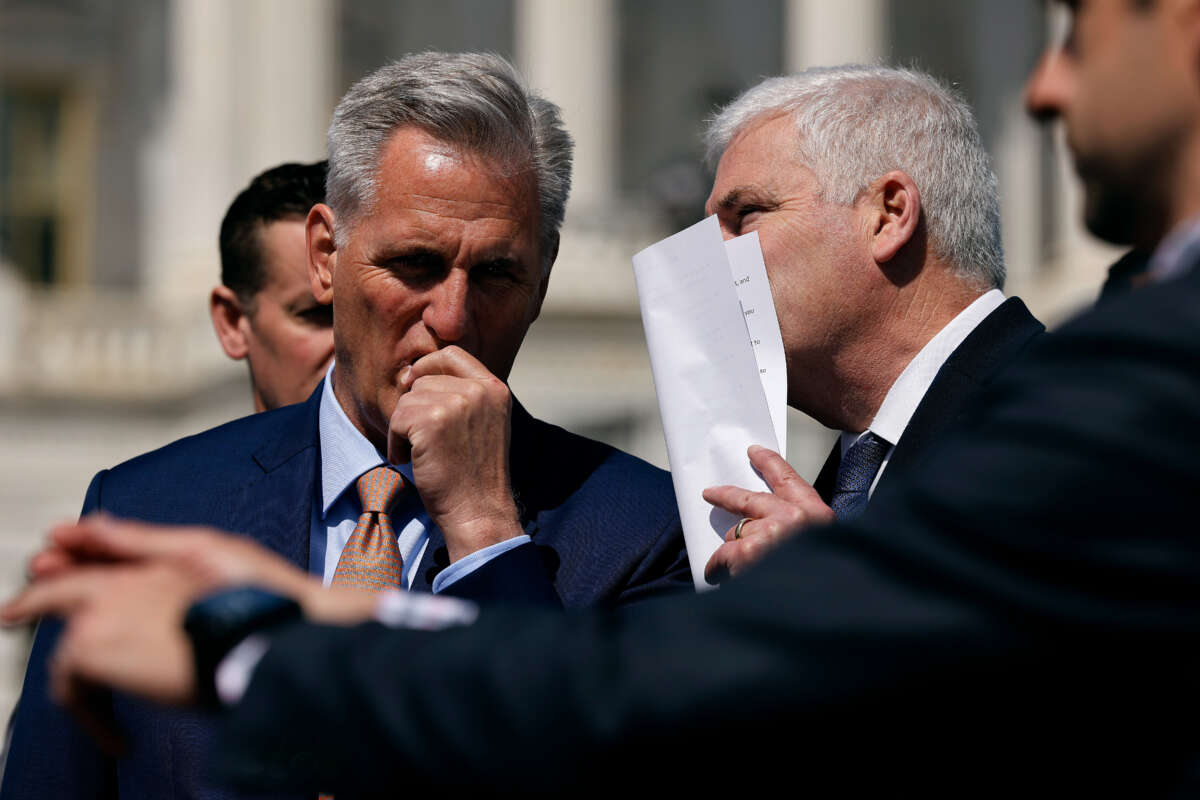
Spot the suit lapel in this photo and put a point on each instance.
(276, 509)
(828, 474)
(994, 344)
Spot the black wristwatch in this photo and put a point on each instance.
(219, 622)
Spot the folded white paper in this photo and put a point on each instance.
(762, 327)
(708, 381)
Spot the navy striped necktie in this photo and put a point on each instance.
(855, 474)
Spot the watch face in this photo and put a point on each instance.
(217, 623)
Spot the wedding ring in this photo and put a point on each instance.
(737, 532)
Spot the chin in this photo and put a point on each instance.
(1110, 215)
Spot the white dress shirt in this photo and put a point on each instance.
(909, 389)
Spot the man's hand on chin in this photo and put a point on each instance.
(453, 424)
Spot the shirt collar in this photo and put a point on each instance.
(1177, 252)
(909, 389)
(345, 452)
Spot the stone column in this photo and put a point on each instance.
(831, 32)
(1002, 41)
(286, 54)
(190, 164)
(567, 51)
(249, 88)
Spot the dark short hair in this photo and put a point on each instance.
(280, 193)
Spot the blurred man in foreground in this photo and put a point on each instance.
(1019, 617)
(264, 310)
(411, 466)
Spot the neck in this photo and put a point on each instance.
(259, 405)
(355, 411)
(870, 361)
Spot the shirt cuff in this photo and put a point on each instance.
(234, 672)
(468, 564)
(394, 608)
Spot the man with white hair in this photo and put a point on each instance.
(877, 211)
(411, 466)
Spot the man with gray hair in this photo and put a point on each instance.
(879, 221)
(411, 466)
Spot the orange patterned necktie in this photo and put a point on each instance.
(371, 558)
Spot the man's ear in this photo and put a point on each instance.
(322, 252)
(893, 206)
(230, 321)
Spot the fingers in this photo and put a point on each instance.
(50, 562)
(90, 704)
(770, 517)
(431, 412)
(99, 537)
(122, 629)
(736, 556)
(452, 360)
(779, 475)
(791, 501)
(399, 448)
(57, 596)
(756, 505)
(716, 571)
(464, 396)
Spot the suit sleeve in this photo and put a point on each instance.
(665, 569)
(517, 576)
(1022, 614)
(49, 755)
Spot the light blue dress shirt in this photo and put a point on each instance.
(345, 455)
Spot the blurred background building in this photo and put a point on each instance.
(127, 126)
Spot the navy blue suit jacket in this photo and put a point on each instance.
(604, 526)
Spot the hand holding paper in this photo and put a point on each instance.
(712, 382)
(775, 516)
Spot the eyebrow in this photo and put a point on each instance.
(743, 195)
(406, 252)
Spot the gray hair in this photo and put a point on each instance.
(856, 123)
(473, 100)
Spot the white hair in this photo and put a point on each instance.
(473, 100)
(856, 123)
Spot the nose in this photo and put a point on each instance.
(446, 314)
(1048, 88)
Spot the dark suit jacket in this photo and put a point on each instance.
(999, 340)
(604, 526)
(1021, 616)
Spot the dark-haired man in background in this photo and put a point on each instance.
(264, 310)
